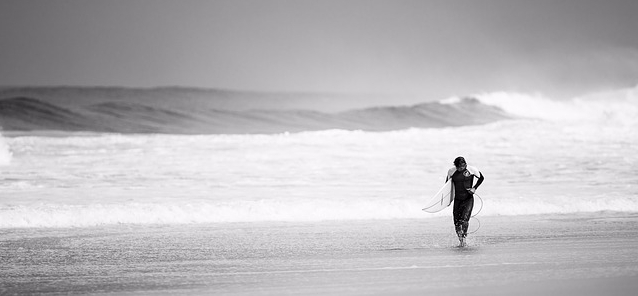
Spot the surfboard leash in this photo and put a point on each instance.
(480, 207)
(474, 216)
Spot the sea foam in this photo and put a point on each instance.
(5, 153)
(47, 215)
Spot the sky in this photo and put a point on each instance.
(429, 49)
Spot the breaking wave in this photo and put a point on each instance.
(615, 107)
(32, 114)
(140, 114)
(550, 157)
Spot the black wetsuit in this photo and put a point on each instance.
(463, 200)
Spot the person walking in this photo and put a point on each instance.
(465, 180)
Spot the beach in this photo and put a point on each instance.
(278, 147)
(562, 254)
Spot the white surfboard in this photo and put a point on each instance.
(442, 199)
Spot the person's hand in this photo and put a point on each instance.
(471, 190)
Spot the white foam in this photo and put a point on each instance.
(535, 206)
(51, 215)
(5, 153)
(610, 107)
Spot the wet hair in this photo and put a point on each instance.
(459, 161)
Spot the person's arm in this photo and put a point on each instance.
(472, 190)
(480, 180)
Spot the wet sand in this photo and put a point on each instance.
(583, 254)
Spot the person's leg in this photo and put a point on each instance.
(465, 215)
(457, 213)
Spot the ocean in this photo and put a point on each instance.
(545, 158)
(555, 157)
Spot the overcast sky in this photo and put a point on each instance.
(428, 48)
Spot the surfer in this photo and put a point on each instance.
(463, 177)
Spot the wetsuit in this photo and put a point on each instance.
(464, 199)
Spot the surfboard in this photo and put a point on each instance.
(441, 200)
